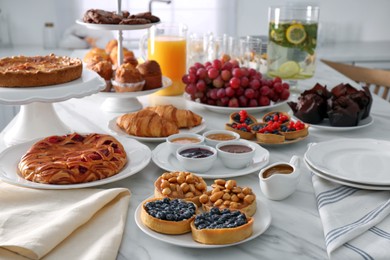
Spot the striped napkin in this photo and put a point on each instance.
(356, 222)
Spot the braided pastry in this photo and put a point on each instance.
(73, 158)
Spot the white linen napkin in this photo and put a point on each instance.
(356, 222)
(61, 224)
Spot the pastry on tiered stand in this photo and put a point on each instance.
(219, 227)
(226, 194)
(180, 185)
(128, 79)
(168, 216)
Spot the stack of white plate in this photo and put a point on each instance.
(359, 163)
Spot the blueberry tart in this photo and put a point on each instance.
(242, 129)
(270, 133)
(294, 130)
(168, 216)
(242, 117)
(221, 226)
(282, 118)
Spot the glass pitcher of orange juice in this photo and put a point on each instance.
(167, 44)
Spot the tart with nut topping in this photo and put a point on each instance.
(180, 185)
(226, 194)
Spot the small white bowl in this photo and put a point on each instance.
(173, 146)
(214, 142)
(196, 164)
(236, 160)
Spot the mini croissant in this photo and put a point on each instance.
(146, 123)
(181, 117)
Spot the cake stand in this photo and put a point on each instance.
(126, 101)
(37, 117)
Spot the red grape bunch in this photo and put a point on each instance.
(225, 83)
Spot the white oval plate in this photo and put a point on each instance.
(113, 27)
(346, 183)
(364, 161)
(167, 161)
(324, 125)
(165, 80)
(262, 219)
(139, 156)
(89, 83)
(228, 110)
(117, 130)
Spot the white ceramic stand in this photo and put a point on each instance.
(37, 117)
(35, 120)
(121, 105)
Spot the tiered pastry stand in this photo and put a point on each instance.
(122, 102)
(37, 117)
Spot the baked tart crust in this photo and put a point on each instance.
(35, 71)
(165, 226)
(222, 236)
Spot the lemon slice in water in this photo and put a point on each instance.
(296, 33)
(288, 69)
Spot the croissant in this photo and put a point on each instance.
(146, 123)
(181, 117)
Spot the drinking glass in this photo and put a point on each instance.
(250, 52)
(291, 50)
(167, 44)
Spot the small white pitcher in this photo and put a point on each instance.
(279, 180)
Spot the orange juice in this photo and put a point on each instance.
(171, 53)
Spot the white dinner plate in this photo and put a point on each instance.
(165, 80)
(89, 83)
(346, 183)
(113, 27)
(167, 161)
(138, 154)
(364, 161)
(119, 131)
(325, 125)
(228, 110)
(262, 220)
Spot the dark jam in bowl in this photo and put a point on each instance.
(196, 153)
(235, 148)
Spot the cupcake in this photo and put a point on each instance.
(151, 71)
(128, 79)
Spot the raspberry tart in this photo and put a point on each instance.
(35, 71)
(242, 117)
(282, 118)
(219, 227)
(168, 216)
(242, 129)
(269, 133)
(294, 130)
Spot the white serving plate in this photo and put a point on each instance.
(139, 156)
(325, 125)
(363, 161)
(167, 161)
(228, 110)
(115, 27)
(346, 183)
(262, 220)
(119, 131)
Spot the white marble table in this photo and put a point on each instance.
(296, 229)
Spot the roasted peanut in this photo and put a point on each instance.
(166, 175)
(220, 182)
(236, 190)
(180, 179)
(249, 199)
(230, 184)
(200, 186)
(172, 179)
(189, 195)
(217, 195)
(241, 195)
(234, 198)
(226, 202)
(164, 184)
(166, 191)
(184, 187)
(218, 202)
(233, 205)
(226, 196)
(203, 198)
(247, 190)
(190, 178)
